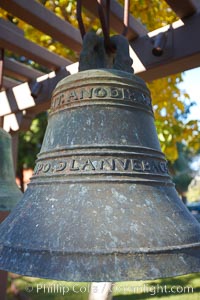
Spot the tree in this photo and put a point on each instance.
(29, 145)
(181, 170)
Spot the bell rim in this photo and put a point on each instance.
(141, 266)
(132, 251)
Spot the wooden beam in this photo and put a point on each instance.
(46, 21)
(184, 8)
(13, 121)
(1, 66)
(19, 98)
(9, 82)
(8, 103)
(19, 70)
(43, 101)
(3, 283)
(1, 122)
(116, 18)
(11, 26)
(15, 42)
(182, 50)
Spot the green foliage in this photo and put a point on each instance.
(152, 13)
(171, 109)
(30, 142)
(180, 169)
(182, 182)
(193, 193)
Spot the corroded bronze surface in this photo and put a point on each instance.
(9, 192)
(101, 205)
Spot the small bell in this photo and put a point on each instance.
(9, 192)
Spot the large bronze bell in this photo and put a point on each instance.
(9, 192)
(101, 205)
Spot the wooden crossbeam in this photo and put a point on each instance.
(46, 21)
(116, 18)
(182, 50)
(15, 42)
(184, 8)
(1, 66)
(9, 82)
(19, 70)
(19, 98)
(38, 16)
(178, 56)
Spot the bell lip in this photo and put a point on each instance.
(104, 279)
(132, 251)
(124, 267)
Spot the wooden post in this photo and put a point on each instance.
(101, 291)
(3, 284)
(1, 67)
(1, 122)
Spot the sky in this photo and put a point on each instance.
(191, 84)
